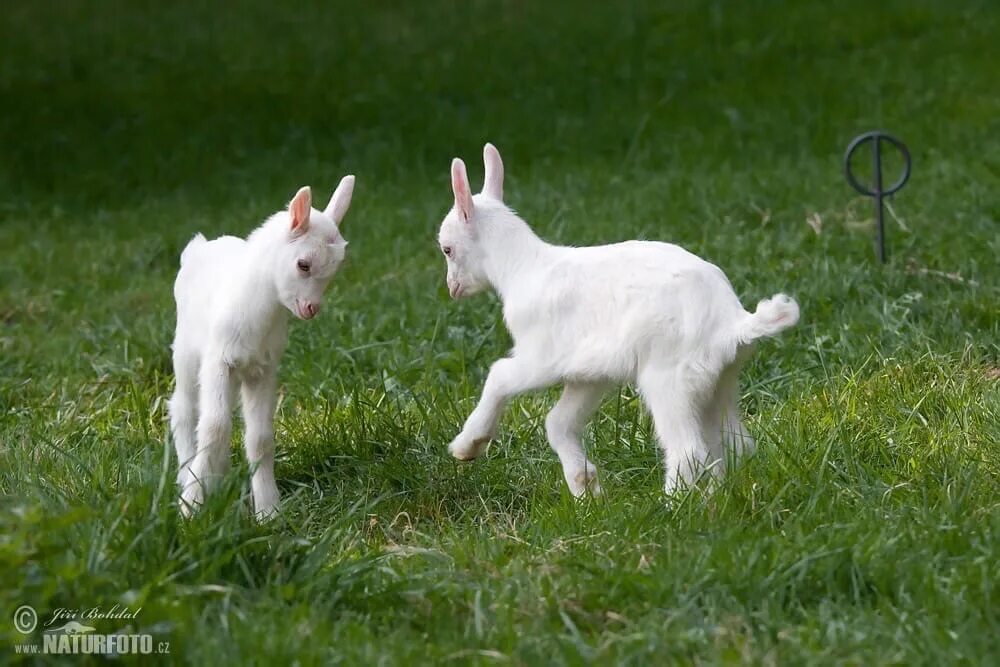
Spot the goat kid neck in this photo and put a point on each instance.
(512, 253)
(257, 310)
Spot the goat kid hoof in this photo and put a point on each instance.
(584, 483)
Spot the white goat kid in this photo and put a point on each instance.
(233, 299)
(638, 312)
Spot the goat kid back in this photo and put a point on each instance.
(233, 300)
(591, 318)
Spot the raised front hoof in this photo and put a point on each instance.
(465, 449)
(583, 482)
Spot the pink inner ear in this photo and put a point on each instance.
(300, 207)
(461, 192)
(460, 187)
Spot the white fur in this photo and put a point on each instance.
(233, 299)
(639, 312)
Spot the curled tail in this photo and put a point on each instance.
(772, 316)
(199, 239)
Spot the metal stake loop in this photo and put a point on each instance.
(876, 191)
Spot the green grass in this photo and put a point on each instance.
(865, 531)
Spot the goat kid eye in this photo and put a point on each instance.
(303, 266)
(447, 251)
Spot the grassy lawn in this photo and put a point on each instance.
(865, 531)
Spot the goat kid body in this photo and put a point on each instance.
(226, 287)
(647, 313)
(599, 314)
(233, 300)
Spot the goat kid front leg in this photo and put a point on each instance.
(507, 378)
(211, 460)
(259, 398)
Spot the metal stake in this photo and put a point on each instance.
(877, 137)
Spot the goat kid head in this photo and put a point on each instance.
(460, 237)
(313, 249)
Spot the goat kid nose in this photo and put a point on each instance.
(312, 309)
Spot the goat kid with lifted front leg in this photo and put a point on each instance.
(233, 299)
(590, 318)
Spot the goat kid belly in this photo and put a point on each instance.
(580, 343)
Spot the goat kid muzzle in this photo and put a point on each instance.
(306, 310)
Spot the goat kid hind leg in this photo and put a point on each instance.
(720, 421)
(215, 403)
(507, 378)
(676, 408)
(183, 409)
(736, 443)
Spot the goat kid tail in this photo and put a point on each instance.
(199, 239)
(772, 316)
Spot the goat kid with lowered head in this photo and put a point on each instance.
(233, 299)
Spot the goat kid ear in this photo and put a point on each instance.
(493, 186)
(299, 208)
(341, 199)
(460, 186)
